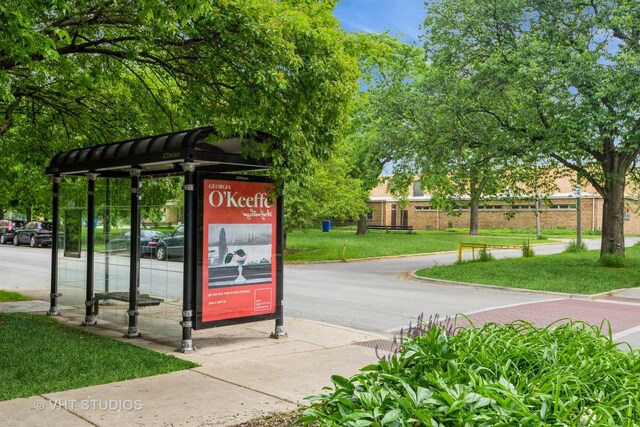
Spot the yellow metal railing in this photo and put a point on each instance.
(484, 247)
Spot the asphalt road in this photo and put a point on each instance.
(372, 295)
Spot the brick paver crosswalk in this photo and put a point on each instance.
(621, 316)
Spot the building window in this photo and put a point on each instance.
(490, 207)
(563, 206)
(523, 207)
(417, 189)
(370, 216)
(424, 208)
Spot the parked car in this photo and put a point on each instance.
(35, 233)
(8, 229)
(148, 242)
(171, 246)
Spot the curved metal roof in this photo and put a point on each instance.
(162, 154)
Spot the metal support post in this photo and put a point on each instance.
(134, 256)
(279, 331)
(106, 232)
(189, 275)
(89, 320)
(55, 206)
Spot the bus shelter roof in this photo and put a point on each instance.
(164, 155)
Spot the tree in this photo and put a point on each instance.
(417, 117)
(458, 154)
(78, 72)
(328, 192)
(373, 135)
(561, 77)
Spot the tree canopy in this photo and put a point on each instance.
(561, 78)
(94, 71)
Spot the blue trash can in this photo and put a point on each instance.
(326, 225)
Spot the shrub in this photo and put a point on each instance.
(515, 374)
(485, 256)
(527, 252)
(574, 247)
(612, 261)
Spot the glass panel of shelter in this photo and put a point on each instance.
(160, 280)
(72, 270)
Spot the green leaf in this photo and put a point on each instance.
(342, 382)
(391, 416)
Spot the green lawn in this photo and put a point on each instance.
(566, 233)
(576, 273)
(341, 243)
(6, 296)
(40, 355)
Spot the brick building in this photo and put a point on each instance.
(558, 211)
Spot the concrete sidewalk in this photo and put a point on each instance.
(243, 374)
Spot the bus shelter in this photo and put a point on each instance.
(225, 260)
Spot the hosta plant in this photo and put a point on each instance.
(566, 374)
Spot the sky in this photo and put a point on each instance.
(400, 17)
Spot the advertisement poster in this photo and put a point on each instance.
(239, 222)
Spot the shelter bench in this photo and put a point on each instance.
(144, 300)
(390, 228)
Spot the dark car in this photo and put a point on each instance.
(8, 229)
(35, 233)
(148, 242)
(171, 246)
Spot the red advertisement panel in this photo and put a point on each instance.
(238, 250)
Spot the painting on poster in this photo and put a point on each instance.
(241, 254)
(239, 250)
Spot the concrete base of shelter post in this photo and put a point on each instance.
(89, 320)
(53, 309)
(186, 346)
(132, 329)
(279, 331)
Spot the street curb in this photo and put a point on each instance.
(440, 282)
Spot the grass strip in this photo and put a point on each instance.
(575, 273)
(39, 355)
(343, 244)
(8, 296)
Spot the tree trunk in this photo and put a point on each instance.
(28, 214)
(536, 212)
(362, 225)
(613, 216)
(477, 182)
(579, 219)
(538, 207)
(473, 222)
